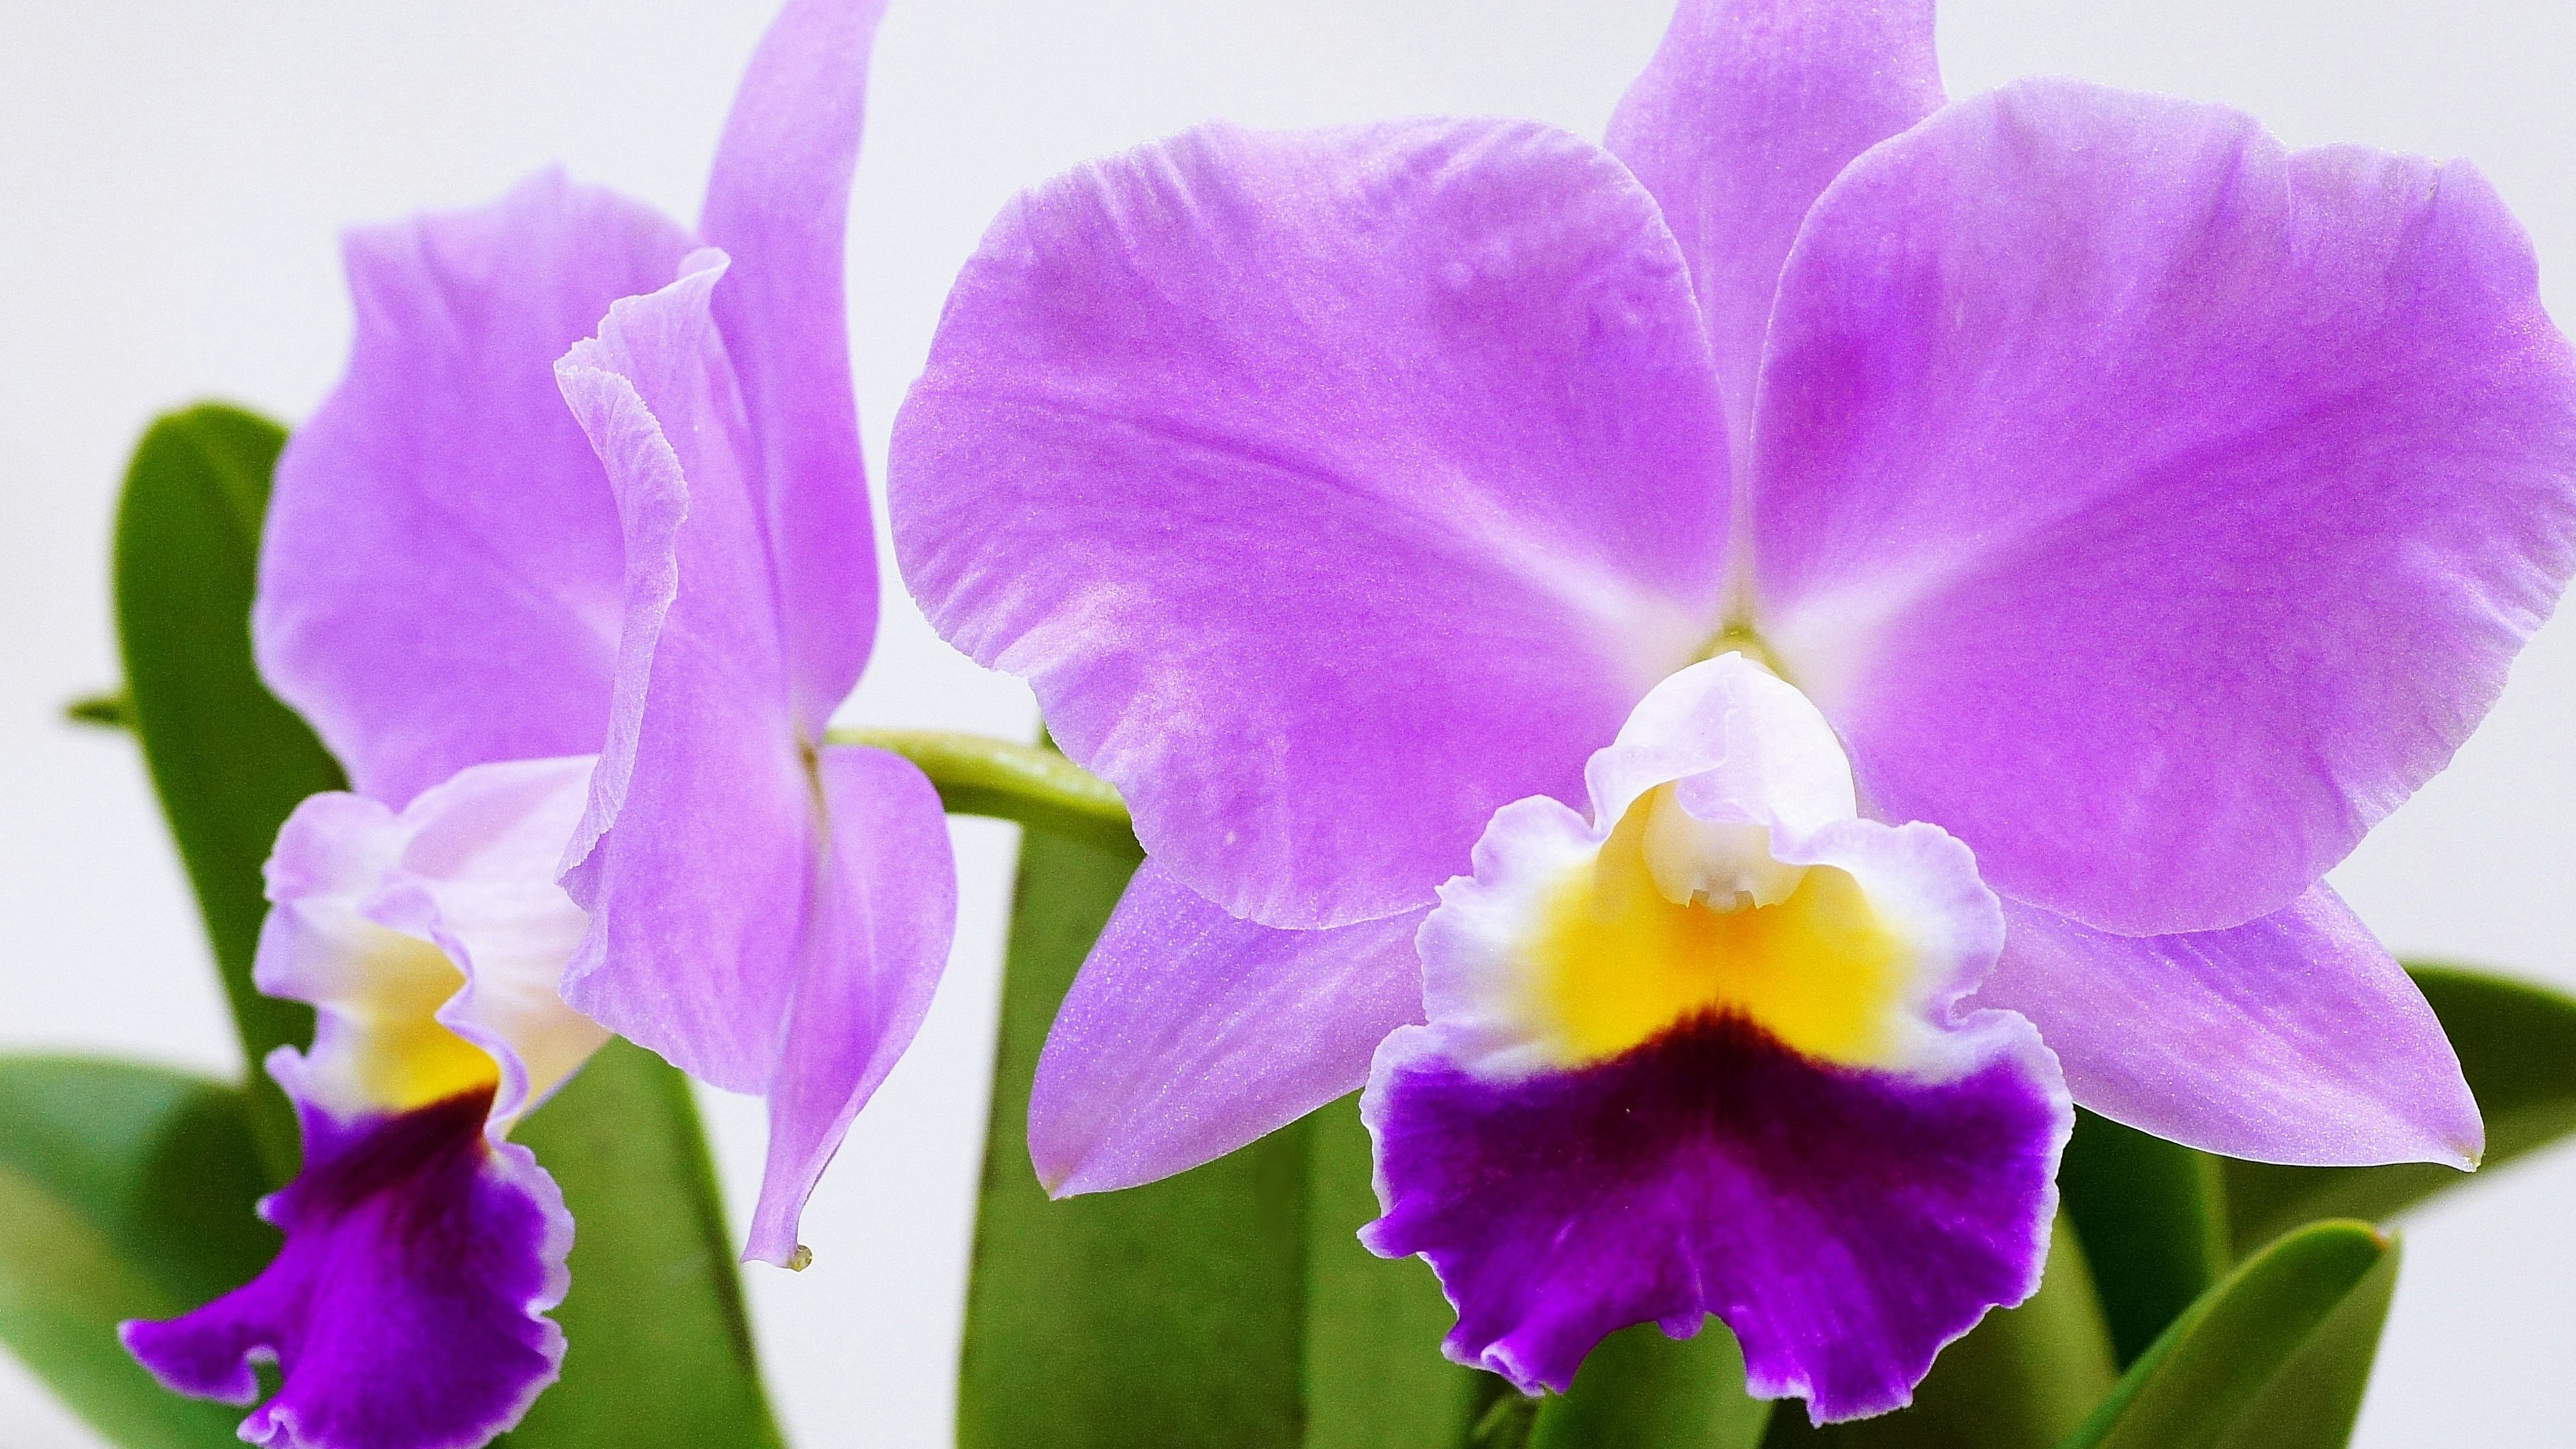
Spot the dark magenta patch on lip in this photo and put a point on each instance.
(1845, 1223)
(405, 1310)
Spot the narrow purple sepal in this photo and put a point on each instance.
(406, 1309)
(1190, 1033)
(875, 944)
(2295, 1038)
(778, 203)
(1845, 1224)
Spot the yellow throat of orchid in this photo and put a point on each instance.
(1677, 918)
(400, 1056)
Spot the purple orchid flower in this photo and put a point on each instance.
(597, 643)
(2148, 506)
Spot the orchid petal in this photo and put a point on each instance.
(2154, 507)
(432, 941)
(1845, 1224)
(439, 575)
(696, 857)
(778, 203)
(406, 1309)
(873, 952)
(1331, 488)
(1749, 109)
(2295, 1038)
(1190, 1033)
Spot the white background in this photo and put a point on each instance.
(171, 178)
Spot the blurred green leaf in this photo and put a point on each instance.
(1641, 1390)
(125, 1192)
(2022, 1379)
(2274, 1357)
(228, 761)
(2517, 1046)
(655, 1315)
(2152, 1216)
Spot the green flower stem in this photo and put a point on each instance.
(980, 775)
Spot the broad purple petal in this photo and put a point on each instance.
(406, 1309)
(440, 574)
(1749, 109)
(1190, 1033)
(778, 203)
(1332, 489)
(2294, 1038)
(874, 948)
(697, 856)
(2153, 507)
(1845, 1224)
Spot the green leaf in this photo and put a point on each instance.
(655, 1313)
(1232, 1304)
(1167, 1314)
(2517, 1046)
(2153, 1220)
(1374, 1374)
(2274, 1357)
(125, 1192)
(228, 761)
(1641, 1390)
(2022, 1379)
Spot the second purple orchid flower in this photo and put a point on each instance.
(570, 573)
(1865, 602)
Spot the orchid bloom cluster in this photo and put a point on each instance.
(1726, 679)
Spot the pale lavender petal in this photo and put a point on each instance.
(697, 856)
(2294, 1038)
(407, 1307)
(1190, 1033)
(2150, 506)
(1747, 112)
(1331, 488)
(440, 575)
(778, 203)
(875, 945)
(1845, 1224)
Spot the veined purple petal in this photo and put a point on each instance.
(698, 854)
(2294, 1038)
(1846, 1224)
(1190, 1033)
(1749, 109)
(1331, 488)
(778, 203)
(439, 577)
(407, 1307)
(874, 948)
(2151, 506)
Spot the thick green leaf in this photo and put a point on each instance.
(125, 1192)
(2517, 1047)
(1167, 1314)
(227, 759)
(2022, 1379)
(2153, 1220)
(1374, 1374)
(1641, 1390)
(655, 1314)
(2274, 1357)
